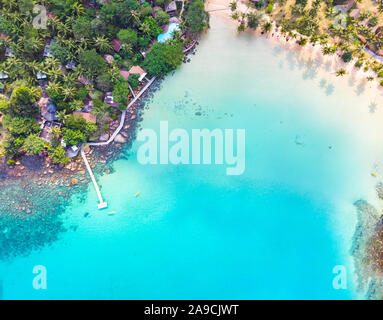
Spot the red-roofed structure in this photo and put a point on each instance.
(116, 43)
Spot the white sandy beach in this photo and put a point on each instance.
(307, 53)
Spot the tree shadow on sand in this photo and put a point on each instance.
(372, 107)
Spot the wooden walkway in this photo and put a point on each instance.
(103, 204)
(212, 10)
(123, 115)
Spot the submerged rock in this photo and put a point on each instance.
(120, 139)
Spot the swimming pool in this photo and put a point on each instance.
(163, 37)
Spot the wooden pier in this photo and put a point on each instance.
(103, 204)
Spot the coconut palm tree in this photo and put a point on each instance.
(266, 27)
(114, 73)
(102, 44)
(63, 29)
(233, 6)
(54, 86)
(69, 93)
(341, 73)
(78, 9)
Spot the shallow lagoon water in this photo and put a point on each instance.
(277, 231)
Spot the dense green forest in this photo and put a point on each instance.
(57, 55)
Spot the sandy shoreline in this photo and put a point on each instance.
(308, 53)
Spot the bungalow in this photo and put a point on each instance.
(85, 115)
(48, 109)
(41, 76)
(125, 74)
(110, 100)
(70, 64)
(171, 8)
(88, 105)
(138, 70)
(47, 52)
(8, 52)
(108, 58)
(116, 43)
(72, 151)
(174, 20)
(3, 76)
(84, 80)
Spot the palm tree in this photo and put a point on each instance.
(233, 6)
(341, 73)
(54, 86)
(33, 66)
(63, 28)
(235, 15)
(51, 63)
(9, 4)
(114, 73)
(69, 93)
(69, 78)
(266, 27)
(102, 44)
(54, 73)
(61, 116)
(78, 9)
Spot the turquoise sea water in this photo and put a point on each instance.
(275, 232)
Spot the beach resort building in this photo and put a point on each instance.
(108, 58)
(125, 74)
(47, 52)
(138, 70)
(8, 52)
(116, 43)
(110, 100)
(3, 76)
(171, 8)
(84, 80)
(70, 65)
